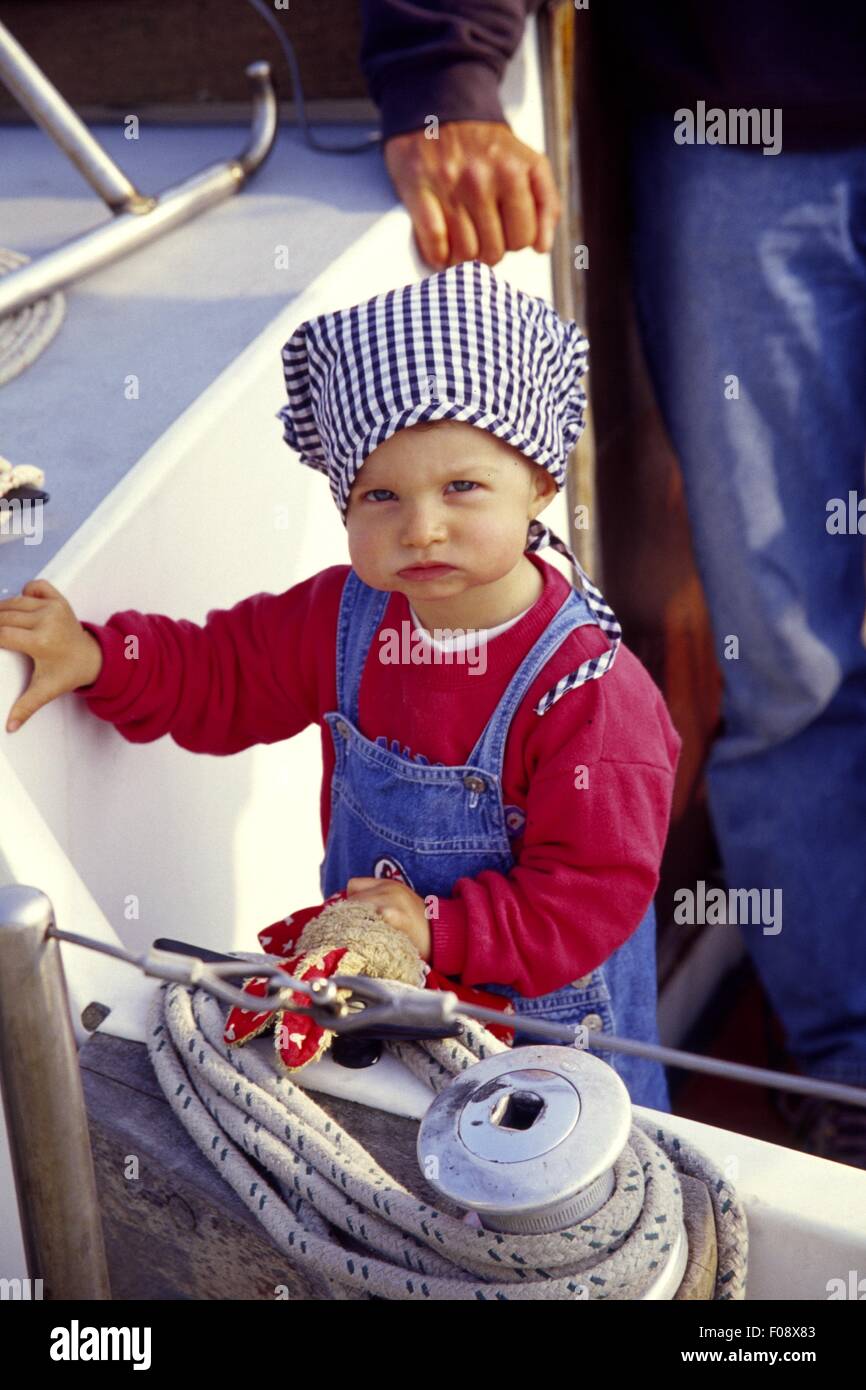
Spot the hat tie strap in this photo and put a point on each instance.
(596, 666)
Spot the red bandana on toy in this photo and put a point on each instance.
(299, 1039)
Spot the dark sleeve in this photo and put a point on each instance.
(439, 57)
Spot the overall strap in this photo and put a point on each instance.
(596, 666)
(489, 751)
(361, 612)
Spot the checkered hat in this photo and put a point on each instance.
(457, 345)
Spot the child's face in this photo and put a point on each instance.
(451, 494)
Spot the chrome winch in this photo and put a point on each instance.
(528, 1138)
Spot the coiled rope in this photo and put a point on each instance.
(27, 332)
(232, 1102)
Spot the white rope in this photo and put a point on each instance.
(27, 332)
(232, 1102)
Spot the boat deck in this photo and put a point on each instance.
(173, 314)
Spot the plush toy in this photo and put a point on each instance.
(339, 937)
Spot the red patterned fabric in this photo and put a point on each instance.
(299, 1039)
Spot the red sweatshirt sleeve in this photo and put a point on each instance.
(589, 862)
(439, 57)
(251, 674)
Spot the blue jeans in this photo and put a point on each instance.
(750, 284)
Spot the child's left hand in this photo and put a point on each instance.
(399, 906)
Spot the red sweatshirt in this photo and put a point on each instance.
(586, 857)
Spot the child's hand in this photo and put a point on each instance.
(400, 907)
(40, 623)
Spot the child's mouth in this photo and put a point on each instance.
(425, 571)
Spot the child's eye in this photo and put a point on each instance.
(375, 493)
(374, 490)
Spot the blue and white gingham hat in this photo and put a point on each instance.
(457, 345)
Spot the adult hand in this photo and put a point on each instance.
(474, 193)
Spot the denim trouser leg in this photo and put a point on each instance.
(750, 282)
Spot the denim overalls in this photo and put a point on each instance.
(431, 825)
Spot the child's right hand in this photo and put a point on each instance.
(40, 623)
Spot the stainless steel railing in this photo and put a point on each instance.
(139, 217)
(43, 1099)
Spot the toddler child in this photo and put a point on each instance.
(498, 766)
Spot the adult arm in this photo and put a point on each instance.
(471, 188)
(442, 57)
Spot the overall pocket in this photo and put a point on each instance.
(585, 1001)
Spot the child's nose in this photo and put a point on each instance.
(423, 526)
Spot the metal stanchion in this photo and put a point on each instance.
(44, 1104)
(139, 217)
